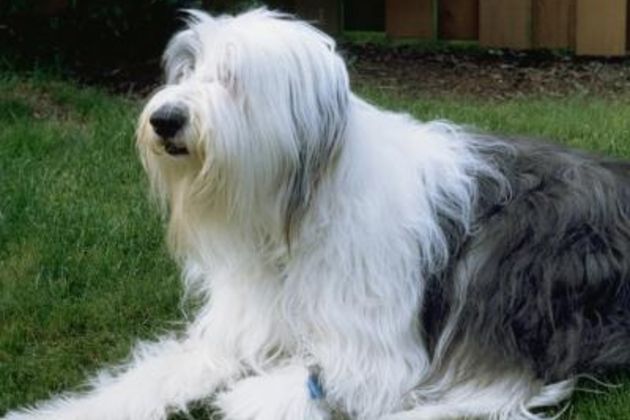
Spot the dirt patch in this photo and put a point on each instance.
(471, 72)
(135, 79)
(37, 101)
(486, 73)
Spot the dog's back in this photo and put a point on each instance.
(544, 279)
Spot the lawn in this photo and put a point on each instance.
(83, 267)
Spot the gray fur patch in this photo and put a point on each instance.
(547, 269)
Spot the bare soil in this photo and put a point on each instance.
(487, 73)
(408, 70)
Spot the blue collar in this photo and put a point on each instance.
(314, 384)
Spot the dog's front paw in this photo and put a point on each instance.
(280, 395)
(19, 415)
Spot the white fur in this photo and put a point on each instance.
(341, 288)
(277, 395)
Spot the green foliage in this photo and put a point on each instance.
(84, 36)
(87, 33)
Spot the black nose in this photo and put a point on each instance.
(167, 120)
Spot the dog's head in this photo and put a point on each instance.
(252, 114)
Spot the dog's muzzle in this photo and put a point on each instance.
(167, 121)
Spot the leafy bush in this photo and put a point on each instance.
(93, 33)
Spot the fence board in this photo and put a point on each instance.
(410, 18)
(601, 27)
(505, 23)
(573, 25)
(458, 19)
(552, 21)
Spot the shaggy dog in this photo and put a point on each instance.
(356, 261)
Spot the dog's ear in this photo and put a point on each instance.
(319, 108)
(227, 69)
(180, 55)
(185, 47)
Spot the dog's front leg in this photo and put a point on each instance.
(286, 393)
(163, 377)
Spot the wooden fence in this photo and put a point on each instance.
(590, 27)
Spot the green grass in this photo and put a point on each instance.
(83, 268)
(426, 45)
(82, 265)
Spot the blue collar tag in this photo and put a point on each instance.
(314, 385)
